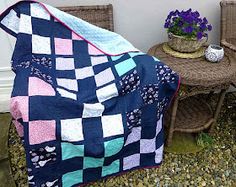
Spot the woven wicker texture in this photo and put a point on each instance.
(99, 15)
(228, 27)
(196, 117)
(197, 72)
(197, 54)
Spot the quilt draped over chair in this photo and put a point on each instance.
(86, 103)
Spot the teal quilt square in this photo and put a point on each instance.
(112, 147)
(70, 150)
(133, 54)
(72, 178)
(114, 58)
(90, 162)
(125, 66)
(114, 167)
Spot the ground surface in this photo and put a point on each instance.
(213, 166)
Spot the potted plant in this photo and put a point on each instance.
(187, 31)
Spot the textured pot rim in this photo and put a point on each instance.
(182, 37)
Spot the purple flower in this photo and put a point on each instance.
(188, 11)
(203, 26)
(189, 19)
(188, 29)
(167, 25)
(187, 23)
(199, 20)
(199, 35)
(170, 15)
(180, 23)
(175, 18)
(209, 27)
(205, 20)
(177, 12)
(196, 14)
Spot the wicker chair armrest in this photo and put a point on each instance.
(228, 45)
(227, 2)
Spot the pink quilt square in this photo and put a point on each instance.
(40, 87)
(76, 37)
(94, 51)
(42, 131)
(19, 107)
(63, 46)
(19, 128)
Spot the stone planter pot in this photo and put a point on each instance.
(185, 45)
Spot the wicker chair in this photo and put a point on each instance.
(99, 15)
(228, 29)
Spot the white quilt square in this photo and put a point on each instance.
(134, 136)
(72, 130)
(65, 93)
(37, 11)
(70, 84)
(65, 64)
(11, 21)
(41, 45)
(107, 92)
(147, 145)
(85, 72)
(25, 24)
(159, 125)
(104, 77)
(159, 154)
(112, 125)
(93, 110)
(131, 161)
(98, 60)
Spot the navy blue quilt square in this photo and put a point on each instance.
(147, 159)
(148, 130)
(24, 8)
(80, 47)
(21, 85)
(132, 148)
(51, 108)
(38, 27)
(68, 74)
(130, 98)
(23, 47)
(61, 32)
(82, 60)
(101, 67)
(93, 136)
(149, 113)
(92, 174)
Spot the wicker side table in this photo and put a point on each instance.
(198, 76)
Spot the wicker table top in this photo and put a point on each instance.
(198, 72)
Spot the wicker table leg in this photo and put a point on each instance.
(172, 121)
(218, 107)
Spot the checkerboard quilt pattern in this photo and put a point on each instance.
(143, 142)
(78, 104)
(81, 145)
(70, 74)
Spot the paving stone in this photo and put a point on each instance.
(5, 120)
(6, 179)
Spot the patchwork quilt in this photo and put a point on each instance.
(86, 103)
